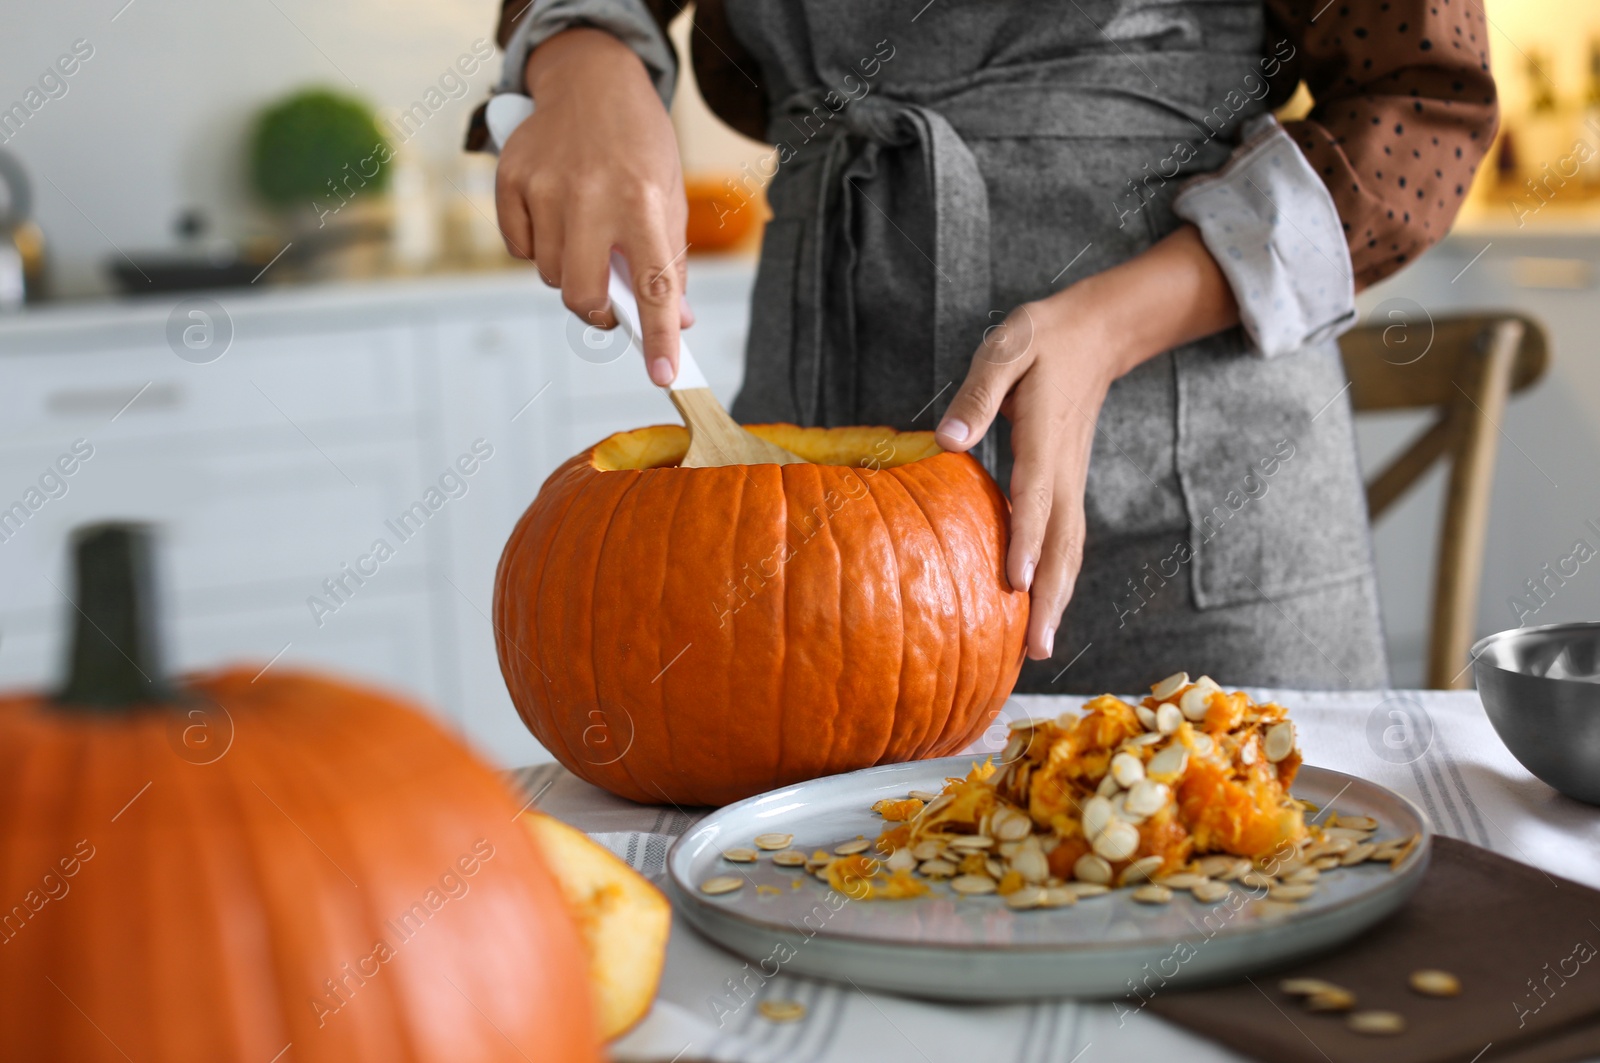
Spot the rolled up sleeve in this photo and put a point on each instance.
(630, 21)
(1273, 228)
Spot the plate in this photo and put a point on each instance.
(976, 949)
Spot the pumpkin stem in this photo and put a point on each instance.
(115, 657)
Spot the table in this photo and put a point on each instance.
(1435, 747)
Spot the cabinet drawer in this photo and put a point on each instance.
(288, 382)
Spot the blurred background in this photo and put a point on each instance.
(200, 326)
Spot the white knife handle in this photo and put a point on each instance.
(504, 113)
(627, 311)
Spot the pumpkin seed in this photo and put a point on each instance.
(1025, 898)
(1097, 815)
(1152, 894)
(1012, 826)
(937, 868)
(1405, 852)
(1210, 892)
(1127, 769)
(739, 855)
(1304, 876)
(1280, 741)
(774, 841)
(1138, 741)
(1108, 786)
(1120, 810)
(901, 860)
(1008, 849)
(1358, 854)
(971, 842)
(972, 885)
(1249, 752)
(1117, 842)
(1140, 870)
(1196, 701)
(1378, 1023)
(927, 850)
(1435, 983)
(1147, 717)
(1256, 880)
(1093, 869)
(1357, 836)
(1031, 865)
(995, 868)
(1203, 743)
(721, 884)
(1297, 891)
(1169, 764)
(851, 848)
(923, 795)
(1305, 987)
(1330, 847)
(1147, 798)
(1168, 718)
(1059, 897)
(1081, 890)
(1331, 999)
(1181, 880)
(1169, 686)
(789, 858)
(782, 1010)
(1216, 866)
(1355, 822)
(1325, 863)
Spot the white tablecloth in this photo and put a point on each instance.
(1466, 782)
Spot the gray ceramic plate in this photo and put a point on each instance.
(977, 949)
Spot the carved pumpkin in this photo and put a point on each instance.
(257, 864)
(700, 635)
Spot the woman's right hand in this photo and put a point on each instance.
(595, 167)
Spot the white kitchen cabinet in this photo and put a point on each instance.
(275, 466)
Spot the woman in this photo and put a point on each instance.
(1081, 216)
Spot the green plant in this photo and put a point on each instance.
(317, 144)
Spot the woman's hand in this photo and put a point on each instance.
(595, 167)
(1047, 368)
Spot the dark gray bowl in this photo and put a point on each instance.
(1541, 688)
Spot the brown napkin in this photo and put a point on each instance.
(1525, 945)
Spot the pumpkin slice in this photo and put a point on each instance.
(624, 920)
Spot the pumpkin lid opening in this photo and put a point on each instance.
(663, 446)
(115, 655)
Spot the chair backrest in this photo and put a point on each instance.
(1463, 367)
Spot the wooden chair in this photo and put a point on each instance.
(1466, 373)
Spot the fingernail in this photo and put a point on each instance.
(954, 430)
(1049, 641)
(1027, 574)
(661, 372)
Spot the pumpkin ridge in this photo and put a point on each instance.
(621, 763)
(557, 727)
(981, 720)
(896, 707)
(570, 498)
(913, 741)
(678, 483)
(950, 702)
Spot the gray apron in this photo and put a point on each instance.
(933, 173)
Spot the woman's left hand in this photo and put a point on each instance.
(1047, 368)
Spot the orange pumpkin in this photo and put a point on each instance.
(257, 859)
(700, 635)
(721, 212)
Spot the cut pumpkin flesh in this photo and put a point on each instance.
(623, 919)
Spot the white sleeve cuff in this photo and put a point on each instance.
(627, 20)
(1270, 223)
